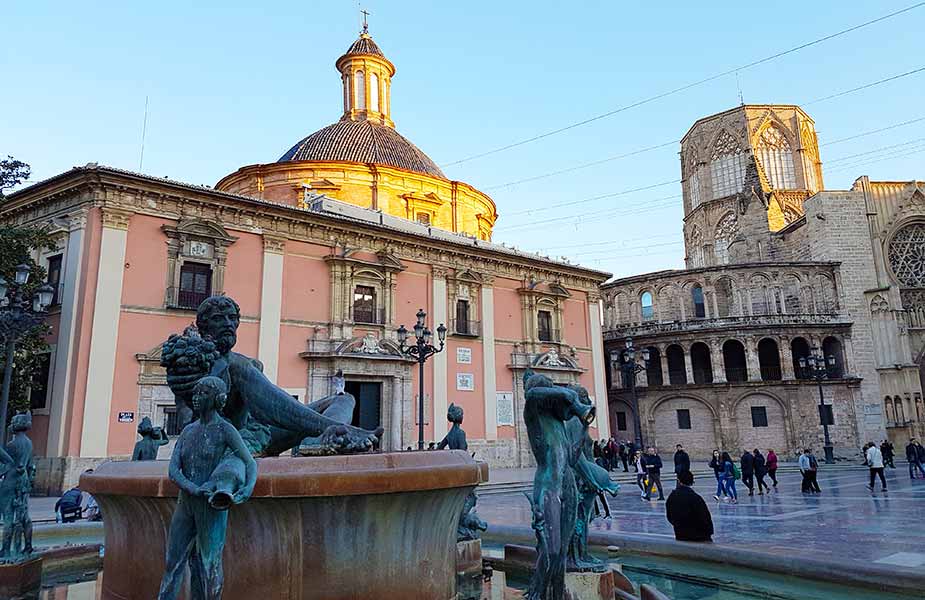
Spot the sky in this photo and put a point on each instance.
(230, 84)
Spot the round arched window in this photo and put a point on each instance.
(906, 254)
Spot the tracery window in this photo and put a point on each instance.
(776, 157)
(695, 248)
(907, 255)
(693, 189)
(727, 166)
(726, 231)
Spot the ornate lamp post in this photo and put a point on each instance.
(817, 367)
(630, 369)
(18, 314)
(421, 351)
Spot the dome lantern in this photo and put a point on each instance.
(366, 76)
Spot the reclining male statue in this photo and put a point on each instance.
(269, 419)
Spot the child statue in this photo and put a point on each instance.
(456, 437)
(19, 472)
(213, 469)
(152, 438)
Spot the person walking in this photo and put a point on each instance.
(688, 513)
(772, 466)
(640, 474)
(920, 455)
(623, 457)
(810, 467)
(716, 463)
(912, 456)
(682, 462)
(653, 465)
(729, 478)
(761, 469)
(748, 471)
(875, 462)
(886, 449)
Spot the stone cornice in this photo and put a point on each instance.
(176, 200)
(273, 244)
(115, 218)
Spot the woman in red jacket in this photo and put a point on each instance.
(772, 466)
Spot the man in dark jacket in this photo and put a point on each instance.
(912, 456)
(886, 449)
(748, 472)
(652, 463)
(688, 513)
(682, 462)
(623, 457)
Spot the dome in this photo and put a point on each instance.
(364, 45)
(363, 142)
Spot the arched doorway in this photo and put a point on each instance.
(769, 360)
(734, 359)
(654, 367)
(677, 373)
(799, 348)
(701, 364)
(761, 424)
(686, 421)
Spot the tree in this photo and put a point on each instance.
(16, 246)
(12, 173)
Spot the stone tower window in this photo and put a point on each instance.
(727, 166)
(776, 157)
(697, 297)
(726, 232)
(648, 311)
(907, 255)
(360, 88)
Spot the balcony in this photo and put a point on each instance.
(370, 316)
(465, 327)
(184, 299)
(548, 335)
(620, 331)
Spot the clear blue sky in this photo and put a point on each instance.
(233, 83)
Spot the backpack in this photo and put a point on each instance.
(736, 472)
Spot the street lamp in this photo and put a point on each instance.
(421, 351)
(630, 368)
(817, 367)
(18, 314)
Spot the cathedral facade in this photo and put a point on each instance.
(327, 250)
(778, 269)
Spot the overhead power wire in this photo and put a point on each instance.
(873, 131)
(875, 150)
(593, 198)
(866, 86)
(688, 86)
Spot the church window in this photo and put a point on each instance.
(364, 304)
(38, 390)
(695, 248)
(684, 418)
(544, 326)
(195, 284)
(727, 166)
(759, 416)
(726, 231)
(776, 157)
(374, 91)
(693, 189)
(360, 88)
(697, 296)
(423, 218)
(648, 310)
(906, 254)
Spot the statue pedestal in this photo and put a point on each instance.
(331, 528)
(589, 586)
(20, 577)
(469, 569)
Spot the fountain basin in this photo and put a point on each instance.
(338, 527)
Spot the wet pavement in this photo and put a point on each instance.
(845, 522)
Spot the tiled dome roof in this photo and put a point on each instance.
(365, 142)
(364, 45)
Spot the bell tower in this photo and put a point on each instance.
(366, 75)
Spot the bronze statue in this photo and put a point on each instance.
(152, 438)
(19, 473)
(554, 502)
(213, 469)
(455, 437)
(592, 480)
(469, 522)
(270, 420)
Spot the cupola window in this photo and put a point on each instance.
(360, 88)
(374, 92)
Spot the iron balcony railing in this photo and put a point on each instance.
(185, 299)
(466, 327)
(548, 335)
(373, 316)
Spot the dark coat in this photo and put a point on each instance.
(689, 515)
(717, 465)
(748, 463)
(760, 466)
(921, 452)
(652, 464)
(911, 453)
(886, 449)
(682, 462)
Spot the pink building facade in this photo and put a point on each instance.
(323, 285)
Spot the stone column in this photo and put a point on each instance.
(64, 355)
(786, 359)
(97, 417)
(439, 360)
(598, 365)
(396, 424)
(271, 305)
(688, 365)
(719, 364)
(751, 359)
(663, 360)
(489, 383)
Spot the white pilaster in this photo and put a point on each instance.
(94, 440)
(439, 359)
(489, 383)
(598, 366)
(271, 306)
(61, 381)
